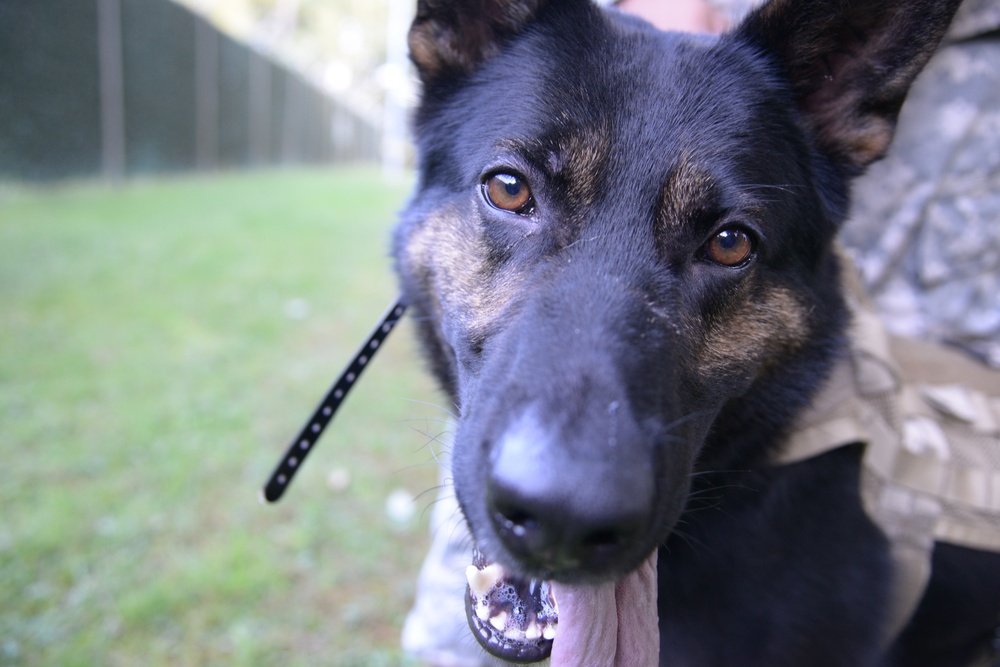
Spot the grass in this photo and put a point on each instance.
(160, 343)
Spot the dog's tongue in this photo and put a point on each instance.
(609, 624)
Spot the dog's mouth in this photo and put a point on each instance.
(513, 619)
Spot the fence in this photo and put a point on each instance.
(124, 87)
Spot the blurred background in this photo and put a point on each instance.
(128, 87)
(195, 205)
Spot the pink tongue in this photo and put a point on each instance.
(609, 624)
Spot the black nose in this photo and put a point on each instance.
(576, 506)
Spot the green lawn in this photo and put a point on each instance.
(160, 343)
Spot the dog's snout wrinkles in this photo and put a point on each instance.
(548, 511)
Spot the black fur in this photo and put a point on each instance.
(619, 389)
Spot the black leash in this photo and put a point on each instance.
(313, 429)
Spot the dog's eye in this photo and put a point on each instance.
(508, 193)
(730, 247)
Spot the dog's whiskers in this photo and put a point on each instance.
(428, 404)
(442, 496)
(581, 241)
(436, 454)
(704, 473)
(680, 421)
(688, 538)
(784, 187)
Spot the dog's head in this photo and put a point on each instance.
(620, 249)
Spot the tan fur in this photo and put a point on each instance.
(753, 330)
(689, 190)
(580, 159)
(448, 254)
(584, 163)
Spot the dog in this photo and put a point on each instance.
(621, 257)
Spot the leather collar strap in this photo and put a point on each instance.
(313, 429)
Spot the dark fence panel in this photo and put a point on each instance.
(49, 102)
(144, 86)
(160, 109)
(234, 103)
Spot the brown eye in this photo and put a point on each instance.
(508, 193)
(730, 247)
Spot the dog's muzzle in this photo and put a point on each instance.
(555, 512)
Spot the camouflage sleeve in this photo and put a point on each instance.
(924, 225)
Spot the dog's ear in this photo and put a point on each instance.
(850, 64)
(451, 37)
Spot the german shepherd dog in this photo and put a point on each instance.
(621, 257)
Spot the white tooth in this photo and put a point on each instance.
(482, 581)
(483, 611)
(533, 631)
(499, 621)
(550, 631)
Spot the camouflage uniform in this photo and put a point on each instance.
(930, 418)
(436, 629)
(925, 223)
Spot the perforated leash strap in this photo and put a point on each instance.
(327, 408)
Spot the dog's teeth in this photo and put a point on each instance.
(500, 621)
(483, 581)
(486, 583)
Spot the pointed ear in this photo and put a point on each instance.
(850, 64)
(452, 37)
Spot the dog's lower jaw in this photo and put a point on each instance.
(512, 619)
(527, 621)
